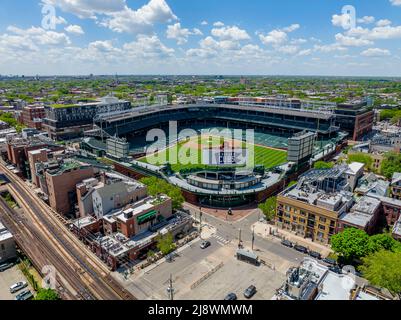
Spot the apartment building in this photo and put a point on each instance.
(61, 181)
(18, 149)
(65, 122)
(312, 208)
(363, 215)
(32, 116)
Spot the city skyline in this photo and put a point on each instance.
(172, 37)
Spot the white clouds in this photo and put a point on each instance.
(141, 20)
(147, 47)
(383, 23)
(288, 49)
(41, 36)
(375, 52)
(342, 20)
(351, 41)
(396, 2)
(274, 37)
(218, 24)
(278, 38)
(88, 8)
(292, 28)
(204, 23)
(376, 33)
(366, 20)
(180, 34)
(74, 29)
(230, 33)
(117, 16)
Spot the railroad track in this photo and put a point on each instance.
(41, 253)
(92, 270)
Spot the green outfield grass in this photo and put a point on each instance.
(263, 155)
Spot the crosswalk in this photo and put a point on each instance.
(221, 240)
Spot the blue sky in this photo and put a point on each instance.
(286, 37)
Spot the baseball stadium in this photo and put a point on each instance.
(207, 166)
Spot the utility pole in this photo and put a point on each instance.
(200, 222)
(253, 237)
(170, 288)
(239, 239)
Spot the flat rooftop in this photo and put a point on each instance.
(335, 287)
(4, 233)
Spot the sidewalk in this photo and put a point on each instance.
(266, 231)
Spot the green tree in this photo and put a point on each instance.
(391, 164)
(320, 165)
(383, 268)
(351, 244)
(47, 294)
(383, 241)
(362, 158)
(158, 186)
(166, 243)
(269, 208)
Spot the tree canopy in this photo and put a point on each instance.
(391, 164)
(269, 208)
(158, 186)
(323, 165)
(354, 244)
(166, 243)
(383, 268)
(362, 158)
(47, 294)
(351, 244)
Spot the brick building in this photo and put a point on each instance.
(355, 118)
(61, 184)
(32, 116)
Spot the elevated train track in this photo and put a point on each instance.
(86, 273)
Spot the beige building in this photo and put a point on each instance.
(100, 197)
(34, 157)
(311, 209)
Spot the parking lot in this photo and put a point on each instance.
(7, 279)
(208, 274)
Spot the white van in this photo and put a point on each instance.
(18, 286)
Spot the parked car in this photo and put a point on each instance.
(143, 256)
(315, 255)
(336, 269)
(301, 249)
(329, 261)
(6, 266)
(250, 292)
(205, 244)
(180, 236)
(18, 286)
(287, 243)
(231, 297)
(24, 295)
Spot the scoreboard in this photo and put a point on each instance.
(224, 157)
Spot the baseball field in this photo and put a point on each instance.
(192, 149)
